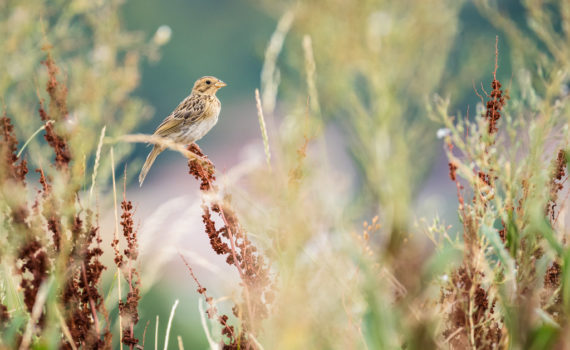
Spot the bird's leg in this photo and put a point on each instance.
(194, 148)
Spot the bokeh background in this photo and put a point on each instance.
(351, 140)
(228, 39)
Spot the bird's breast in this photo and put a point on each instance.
(196, 130)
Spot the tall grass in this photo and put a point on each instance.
(323, 238)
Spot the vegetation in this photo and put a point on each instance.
(320, 223)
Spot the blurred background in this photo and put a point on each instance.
(228, 39)
(358, 102)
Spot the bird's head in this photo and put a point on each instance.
(208, 85)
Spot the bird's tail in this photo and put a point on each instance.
(148, 163)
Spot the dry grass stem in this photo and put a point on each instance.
(269, 72)
(116, 238)
(169, 325)
(41, 128)
(263, 129)
(97, 159)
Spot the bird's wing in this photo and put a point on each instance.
(187, 112)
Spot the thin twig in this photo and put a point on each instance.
(117, 239)
(156, 334)
(157, 140)
(65, 329)
(129, 269)
(91, 302)
(37, 310)
(144, 332)
(452, 335)
(211, 342)
(32, 137)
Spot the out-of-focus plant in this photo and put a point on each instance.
(513, 156)
(371, 83)
(361, 72)
(99, 66)
(368, 67)
(364, 67)
(68, 73)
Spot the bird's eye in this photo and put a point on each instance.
(208, 82)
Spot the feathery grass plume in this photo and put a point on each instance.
(97, 158)
(269, 71)
(263, 128)
(311, 68)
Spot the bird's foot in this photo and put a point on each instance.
(206, 163)
(194, 148)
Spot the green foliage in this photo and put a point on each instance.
(349, 136)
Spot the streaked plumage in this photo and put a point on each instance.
(191, 120)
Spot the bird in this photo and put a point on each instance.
(194, 117)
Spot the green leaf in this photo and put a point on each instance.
(441, 262)
(565, 281)
(493, 237)
(543, 337)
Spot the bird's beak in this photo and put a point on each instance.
(220, 84)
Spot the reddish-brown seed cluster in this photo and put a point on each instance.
(81, 298)
(494, 106)
(4, 316)
(57, 91)
(503, 233)
(8, 147)
(471, 303)
(215, 236)
(128, 309)
(557, 180)
(202, 169)
(452, 169)
(58, 113)
(497, 98)
(34, 270)
(211, 312)
(58, 143)
(552, 276)
(128, 230)
(551, 299)
(11, 173)
(231, 240)
(484, 177)
(488, 337)
(29, 233)
(560, 169)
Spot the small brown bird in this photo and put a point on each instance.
(191, 120)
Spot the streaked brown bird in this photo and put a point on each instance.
(191, 120)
